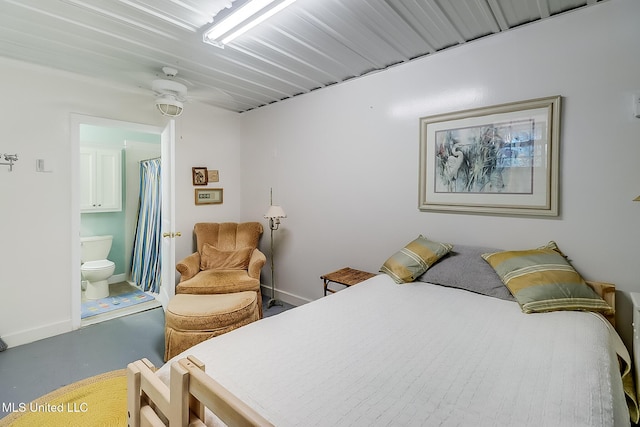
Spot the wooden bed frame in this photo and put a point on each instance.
(606, 291)
(151, 403)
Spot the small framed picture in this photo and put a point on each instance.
(213, 176)
(208, 196)
(199, 176)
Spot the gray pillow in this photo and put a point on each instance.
(464, 268)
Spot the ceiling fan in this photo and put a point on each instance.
(172, 91)
(170, 94)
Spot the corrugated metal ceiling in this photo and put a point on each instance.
(310, 45)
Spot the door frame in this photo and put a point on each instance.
(168, 250)
(168, 149)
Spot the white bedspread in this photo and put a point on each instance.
(389, 355)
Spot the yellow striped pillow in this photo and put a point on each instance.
(414, 259)
(543, 280)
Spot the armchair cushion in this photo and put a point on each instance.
(218, 282)
(213, 258)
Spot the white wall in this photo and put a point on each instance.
(35, 208)
(206, 137)
(343, 161)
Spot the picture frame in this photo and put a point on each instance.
(199, 175)
(501, 159)
(208, 196)
(213, 176)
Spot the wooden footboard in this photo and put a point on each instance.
(151, 403)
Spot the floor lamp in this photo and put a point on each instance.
(274, 214)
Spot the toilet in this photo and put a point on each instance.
(96, 269)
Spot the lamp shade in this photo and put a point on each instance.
(275, 211)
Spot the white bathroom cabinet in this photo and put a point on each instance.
(100, 180)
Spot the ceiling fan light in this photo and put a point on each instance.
(169, 106)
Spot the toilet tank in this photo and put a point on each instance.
(95, 248)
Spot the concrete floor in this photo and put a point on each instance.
(32, 370)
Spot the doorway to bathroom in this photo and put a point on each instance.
(135, 144)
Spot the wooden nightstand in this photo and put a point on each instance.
(345, 276)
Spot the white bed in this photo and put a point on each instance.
(383, 354)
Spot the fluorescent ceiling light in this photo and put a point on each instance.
(248, 16)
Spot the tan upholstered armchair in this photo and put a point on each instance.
(227, 260)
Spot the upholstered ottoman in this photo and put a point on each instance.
(191, 319)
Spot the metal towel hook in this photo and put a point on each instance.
(11, 158)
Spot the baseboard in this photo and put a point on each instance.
(287, 297)
(36, 334)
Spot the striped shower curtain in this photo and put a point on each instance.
(147, 247)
